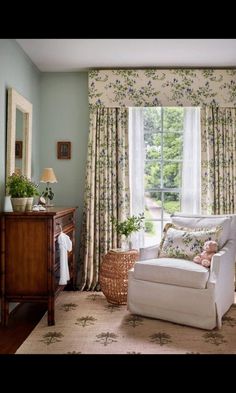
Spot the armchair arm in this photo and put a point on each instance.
(221, 279)
(222, 262)
(149, 252)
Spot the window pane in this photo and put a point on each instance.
(152, 119)
(152, 146)
(172, 146)
(172, 174)
(173, 119)
(171, 203)
(153, 205)
(152, 175)
(153, 233)
(153, 211)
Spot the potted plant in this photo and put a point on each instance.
(31, 192)
(127, 227)
(20, 189)
(16, 188)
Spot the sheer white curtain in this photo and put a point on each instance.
(191, 179)
(136, 168)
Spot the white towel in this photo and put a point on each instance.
(65, 244)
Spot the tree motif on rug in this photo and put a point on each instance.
(94, 296)
(160, 338)
(229, 321)
(106, 338)
(85, 321)
(51, 337)
(214, 338)
(134, 321)
(68, 306)
(112, 307)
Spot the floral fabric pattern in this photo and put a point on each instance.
(106, 191)
(186, 243)
(218, 140)
(152, 87)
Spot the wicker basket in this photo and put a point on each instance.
(114, 274)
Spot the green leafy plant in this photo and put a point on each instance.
(16, 186)
(19, 186)
(128, 226)
(31, 189)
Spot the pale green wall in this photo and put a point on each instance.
(17, 71)
(60, 112)
(64, 117)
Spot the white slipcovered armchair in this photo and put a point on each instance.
(181, 291)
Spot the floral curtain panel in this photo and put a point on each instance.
(218, 141)
(107, 189)
(155, 87)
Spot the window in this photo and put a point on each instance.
(163, 138)
(164, 152)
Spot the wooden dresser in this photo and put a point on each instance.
(30, 259)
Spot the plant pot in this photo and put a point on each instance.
(19, 204)
(126, 243)
(29, 204)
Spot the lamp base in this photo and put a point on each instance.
(48, 202)
(49, 205)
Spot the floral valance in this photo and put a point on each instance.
(155, 87)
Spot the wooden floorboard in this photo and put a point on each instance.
(22, 321)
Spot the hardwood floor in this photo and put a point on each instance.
(22, 321)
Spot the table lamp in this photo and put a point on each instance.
(48, 176)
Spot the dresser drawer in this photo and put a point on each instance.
(63, 222)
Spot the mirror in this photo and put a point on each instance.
(19, 142)
(19, 134)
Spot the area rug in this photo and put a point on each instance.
(87, 324)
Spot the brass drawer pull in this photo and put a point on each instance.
(59, 226)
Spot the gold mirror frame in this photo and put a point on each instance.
(17, 101)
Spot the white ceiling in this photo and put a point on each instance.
(83, 54)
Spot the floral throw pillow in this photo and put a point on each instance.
(186, 243)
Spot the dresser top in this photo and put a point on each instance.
(50, 211)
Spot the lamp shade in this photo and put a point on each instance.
(48, 176)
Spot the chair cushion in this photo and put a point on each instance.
(172, 271)
(201, 221)
(186, 243)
